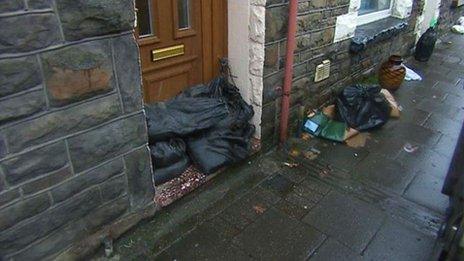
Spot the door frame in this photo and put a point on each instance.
(215, 36)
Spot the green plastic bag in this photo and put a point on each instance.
(320, 125)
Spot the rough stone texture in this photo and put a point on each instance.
(139, 171)
(11, 5)
(14, 108)
(47, 181)
(71, 125)
(35, 163)
(23, 209)
(87, 179)
(28, 32)
(39, 4)
(19, 74)
(62, 122)
(127, 62)
(82, 18)
(89, 148)
(21, 236)
(78, 72)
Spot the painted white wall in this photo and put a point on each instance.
(246, 51)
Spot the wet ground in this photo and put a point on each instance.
(379, 200)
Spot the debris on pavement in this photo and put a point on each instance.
(359, 140)
(291, 164)
(409, 148)
(458, 29)
(411, 75)
(259, 209)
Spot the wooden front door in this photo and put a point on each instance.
(181, 42)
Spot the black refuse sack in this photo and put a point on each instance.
(165, 153)
(230, 140)
(183, 116)
(163, 175)
(363, 107)
(169, 159)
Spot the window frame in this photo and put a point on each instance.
(371, 17)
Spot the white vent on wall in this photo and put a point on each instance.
(322, 71)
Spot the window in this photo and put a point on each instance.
(372, 10)
(144, 19)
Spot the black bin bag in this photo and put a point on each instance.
(169, 159)
(183, 116)
(363, 107)
(229, 141)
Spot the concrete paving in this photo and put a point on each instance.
(376, 202)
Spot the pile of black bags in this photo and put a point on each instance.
(363, 107)
(207, 125)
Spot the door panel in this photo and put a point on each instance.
(178, 45)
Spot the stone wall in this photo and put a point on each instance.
(73, 138)
(315, 43)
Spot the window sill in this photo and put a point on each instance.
(377, 31)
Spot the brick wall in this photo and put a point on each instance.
(73, 138)
(316, 27)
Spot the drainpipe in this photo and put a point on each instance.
(291, 33)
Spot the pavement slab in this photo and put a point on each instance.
(347, 219)
(277, 237)
(373, 202)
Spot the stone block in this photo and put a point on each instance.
(78, 72)
(276, 23)
(87, 179)
(34, 163)
(18, 74)
(47, 181)
(75, 231)
(21, 106)
(309, 22)
(17, 238)
(11, 6)
(113, 188)
(29, 32)
(8, 196)
(127, 64)
(82, 18)
(257, 24)
(93, 147)
(318, 4)
(23, 209)
(139, 175)
(271, 56)
(39, 4)
(62, 122)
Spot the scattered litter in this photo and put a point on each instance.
(310, 155)
(259, 209)
(409, 148)
(290, 164)
(412, 75)
(294, 153)
(395, 107)
(305, 136)
(356, 155)
(359, 140)
(461, 20)
(325, 172)
(458, 29)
